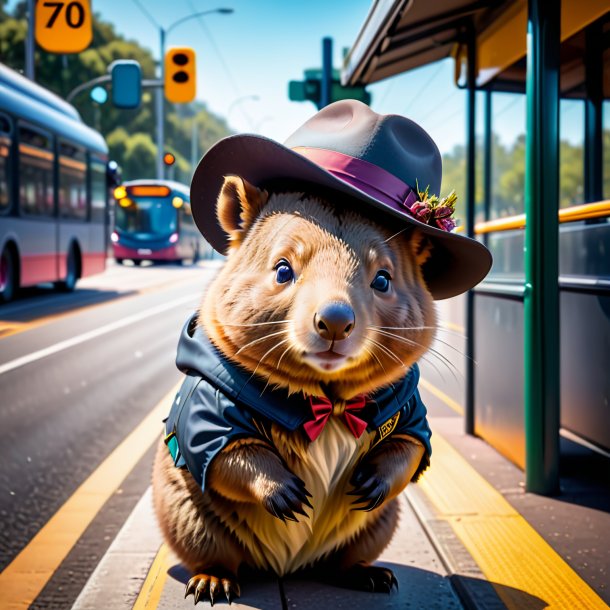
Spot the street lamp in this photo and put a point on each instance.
(163, 32)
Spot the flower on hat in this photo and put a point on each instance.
(432, 210)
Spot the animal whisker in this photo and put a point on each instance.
(251, 343)
(262, 358)
(382, 330)
(387, 351)
(372, 353)
(450, 366)
(258, 323)
(439, 328)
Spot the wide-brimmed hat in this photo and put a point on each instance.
(379, 161)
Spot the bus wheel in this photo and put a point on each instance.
(69, 283)
(8, 276)
(137, 262)
(119, 261)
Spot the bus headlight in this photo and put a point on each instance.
(177, 202)
(114, 237)
(173, 238)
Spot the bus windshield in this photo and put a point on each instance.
(147, 216)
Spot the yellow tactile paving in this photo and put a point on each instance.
(508, 550)
(24, 578)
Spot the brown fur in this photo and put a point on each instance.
(267, 328)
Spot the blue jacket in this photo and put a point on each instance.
(220, 402)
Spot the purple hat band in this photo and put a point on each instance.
(367, 177)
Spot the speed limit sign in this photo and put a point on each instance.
(63, 26)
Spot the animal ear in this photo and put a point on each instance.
(421, 247)
(239, 203)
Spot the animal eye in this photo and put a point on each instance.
(381, 283)
(283, 272)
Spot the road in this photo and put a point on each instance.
(78, 372)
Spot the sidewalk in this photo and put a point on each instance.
(120, 580)
(460, 544)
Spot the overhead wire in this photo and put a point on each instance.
(223, 63)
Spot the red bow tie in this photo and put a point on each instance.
(322, 409)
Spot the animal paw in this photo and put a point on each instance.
(287, 499)
(209, 586)
(370, 488)
(365, 577)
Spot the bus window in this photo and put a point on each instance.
(98, 189)
(144, 215)
(35, 172)
(72, 182)
(5, 176)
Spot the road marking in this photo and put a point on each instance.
(152, 589)
(25, 577)
(452, 404)
(512, 555)
(92, 334)
(9, 328)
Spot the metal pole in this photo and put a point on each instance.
(30, 46)
(159, 107)
(541, 300)
(469, 415)
(194, 146)
(327, 71)
(487, 144)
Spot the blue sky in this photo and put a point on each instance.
(265, 43)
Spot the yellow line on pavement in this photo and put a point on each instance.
(452, 404)
(151, 591)
(24, 578)
(523, 568)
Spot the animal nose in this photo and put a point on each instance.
(335, 320)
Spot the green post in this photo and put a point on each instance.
(469, 414)
(541, 300)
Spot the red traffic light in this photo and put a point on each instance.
(169, 159)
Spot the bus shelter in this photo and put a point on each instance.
(539, 325)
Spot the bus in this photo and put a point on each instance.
(153, 222)
(53, 190)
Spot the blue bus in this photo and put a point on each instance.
(153, 221)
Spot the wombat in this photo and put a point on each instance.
(299, 421)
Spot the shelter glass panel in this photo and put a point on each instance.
(571, 152)
(35, 172)
(72, 182)
(507, 154)
(5, 164)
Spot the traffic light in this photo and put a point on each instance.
(126, 83)
(180, 75)
(169, 159)
(310, 89)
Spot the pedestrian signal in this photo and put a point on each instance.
(180, 75)
(63, 27)
(169, 159)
